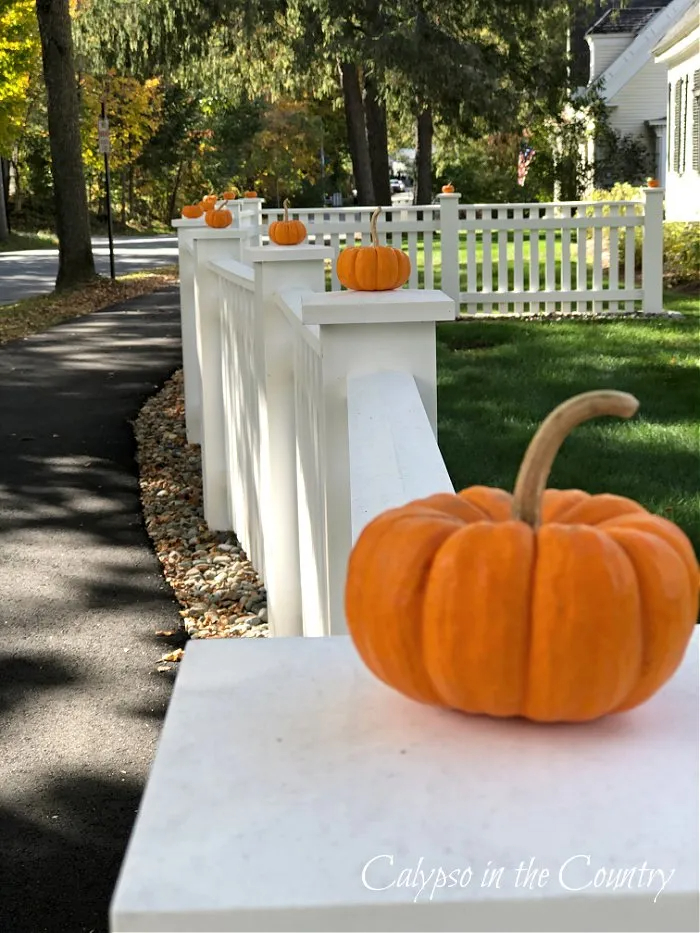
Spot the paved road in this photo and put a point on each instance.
(33, 272)
(81, 597)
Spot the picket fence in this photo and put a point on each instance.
(316, 407)
(513, 258)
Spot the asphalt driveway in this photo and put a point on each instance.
(81, 597)
(26, 273)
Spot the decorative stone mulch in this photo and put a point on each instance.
(569, 316)
(220, 591)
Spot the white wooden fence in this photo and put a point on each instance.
(316, 407)
(513, 258)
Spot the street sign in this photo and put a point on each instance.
(103, 135)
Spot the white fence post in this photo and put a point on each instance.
(275, 268)
(186, 227)
(449, 246)
(360, 333)
(211, 245)
(653, 250)
(251, 216)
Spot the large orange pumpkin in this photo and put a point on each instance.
(192, 211)
(373, 268)
(552, 605)
(286, 232)
(218, 217)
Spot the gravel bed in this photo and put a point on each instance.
(220, 591)
(600, 316)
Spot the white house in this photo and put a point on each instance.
(622, 61)
(678, 58)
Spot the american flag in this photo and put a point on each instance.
(525, 157)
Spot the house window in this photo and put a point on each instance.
(695, 130)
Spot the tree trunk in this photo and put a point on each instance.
(357, 133)
(4, 226)
(131, 191)
(75, 260)
(424, 157)
(124, 196)
(173, 194)
(375, 114)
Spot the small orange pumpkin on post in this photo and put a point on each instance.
(192, 211)
(218, 217)
(286, 232)
(449, 188)
(653, 183)
(209, 201)
(552, 605)
(250, 194)
(230, 195)
(373, 268)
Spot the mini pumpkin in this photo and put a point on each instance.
(192, 211)
(653, 183)
(373, 268)
(449, 188)
(286, 232)
(250, 194)
(230, 195)
(553, 605)
(209, 201)
(218, 217)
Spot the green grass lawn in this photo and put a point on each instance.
(497, 380)
(17, 241)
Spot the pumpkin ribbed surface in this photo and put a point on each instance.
(454, 601)
(373, 268)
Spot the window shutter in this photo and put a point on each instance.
(684, 124)
(678, 96)
(669, 125)
(696, 122)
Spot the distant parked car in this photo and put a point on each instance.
(397, 186)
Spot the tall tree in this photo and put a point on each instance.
(357, 132)
(75, 259)
(4, 226)
(375, 115)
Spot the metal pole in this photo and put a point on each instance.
(323, 169)
(109, 206)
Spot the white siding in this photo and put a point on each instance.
(604, 50)
(643, 98)
(683, 189)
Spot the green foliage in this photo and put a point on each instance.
(682, 254)
(482, 170)
(19, 60)
(621, 158)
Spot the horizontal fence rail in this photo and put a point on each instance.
(394, 456)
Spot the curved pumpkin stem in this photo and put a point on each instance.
(285, 205)
(373, 227)
(544, 446)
